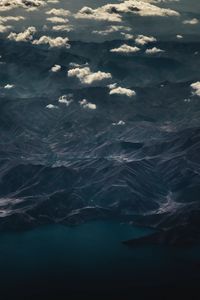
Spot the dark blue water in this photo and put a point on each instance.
(89, 260)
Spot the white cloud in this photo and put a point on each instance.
(154, 50)
(6, 5)
(65, 27)
(196, 88)
(25, 36)
(115, 12)
(4, 28)
(86, 76)
(11, 18)
(51, 106)
(125, 49)
(112, 86)
(57, 20)
(59, 12)
(120, 123)
(121, 91)
(87, 105)
(53, 1)
(57, 42)
(191, 22)
(127, 36)
(112, 29)
(56, 68)
(66, 99)
(98, 14)
(9, 86)
(143, 40)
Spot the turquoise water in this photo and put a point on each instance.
(90, 258)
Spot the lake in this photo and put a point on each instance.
(90, 260)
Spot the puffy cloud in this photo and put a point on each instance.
(59, 12)
(120, 123)
(112, 29)
(99, 14)
(196, 88)
(154, 50)
(57, 20)
(53, 1)
(57, 42)
(11, 18)
(127, 36)
(121, 91)
(65, 27)
(87, 105)
(51, 106)
(6, 5)
(112, 86)
(179, 36)
(114, 12)
(66, 99)
(191, 22)
(56, 68)
(9, 86)
(143, 40)
(4, 28)
(125, 49)
(86, 76)
(25, 36)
